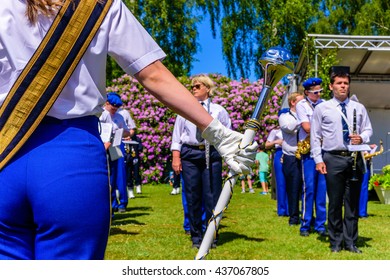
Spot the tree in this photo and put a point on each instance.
(248, 28)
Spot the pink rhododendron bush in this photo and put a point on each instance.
(155, 121)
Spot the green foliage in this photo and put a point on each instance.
(248, 28)
(152, 229)
(325, 59)
(381, 180)
(373, 18)
(173, 25)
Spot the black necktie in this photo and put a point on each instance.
(344, 123)
(198, 132)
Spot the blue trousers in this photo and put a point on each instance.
(186, 220)
(118, 182)
(364, 195)
(55, 199)
(281, 193)
(313, 196)
(202, 187)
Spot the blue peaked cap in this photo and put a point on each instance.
(114, 99)
(311, 82)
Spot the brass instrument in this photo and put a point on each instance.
(354, 154)
(369, 156)
(303, 147)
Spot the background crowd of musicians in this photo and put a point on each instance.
(313, 163)
(304, 180)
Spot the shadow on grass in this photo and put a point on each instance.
(115, 231)
(226, 237)
(363, 242)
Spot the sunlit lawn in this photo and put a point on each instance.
(151, 229)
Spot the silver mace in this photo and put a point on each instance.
(275, 63)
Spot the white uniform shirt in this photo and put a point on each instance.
(116, 120)
(275, 134)
(326, 126)
(127, 117)
(120, 36)
(304, 110)
(184, 132)
(289, 125)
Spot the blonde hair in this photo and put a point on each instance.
(205, 80)
(293, 97)
(45, 7)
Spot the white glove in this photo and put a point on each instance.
(227, 143)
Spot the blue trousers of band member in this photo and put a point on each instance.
(118, 182)
(186, 220)
(313, 196)
(293, 175)
(364, 196)
(281, 194)
(55, 200)
(202, 187)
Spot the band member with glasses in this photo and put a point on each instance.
(330, 150)
(199, 162)
(314, 185)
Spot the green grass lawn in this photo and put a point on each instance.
(151, 229)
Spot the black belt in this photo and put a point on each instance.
(340, 153)
(195, 147)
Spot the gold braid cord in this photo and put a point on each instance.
(220, 214)
(252, 124)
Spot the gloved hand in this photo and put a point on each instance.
(227, 142)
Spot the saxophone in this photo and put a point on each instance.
(303, 147)
(369, 156)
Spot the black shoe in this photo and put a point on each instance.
(335, 249)
(196, 245)
(353, 249)
(304, 233)
(323, 233)
(187, 232)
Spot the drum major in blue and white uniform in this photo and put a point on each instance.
(60, 208)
